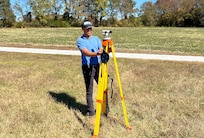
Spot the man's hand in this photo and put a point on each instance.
(100, 51)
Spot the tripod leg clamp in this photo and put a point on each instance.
(99, 101)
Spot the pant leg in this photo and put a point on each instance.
(89, 73)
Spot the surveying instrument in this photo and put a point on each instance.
(102, 95)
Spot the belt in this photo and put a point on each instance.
(90, 66)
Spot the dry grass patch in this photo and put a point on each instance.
(44, 96)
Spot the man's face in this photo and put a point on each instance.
(87, 32)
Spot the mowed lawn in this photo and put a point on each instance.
(44, 95)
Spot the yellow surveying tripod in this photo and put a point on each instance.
(101, 99)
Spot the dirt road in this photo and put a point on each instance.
(118, 55)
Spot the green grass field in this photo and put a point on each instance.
(44, 95)
(148, 40)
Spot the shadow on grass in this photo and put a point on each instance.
(69, 101)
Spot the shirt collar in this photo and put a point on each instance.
(84, 37)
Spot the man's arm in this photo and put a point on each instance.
(91, 54)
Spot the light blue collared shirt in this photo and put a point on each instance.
(93, 44)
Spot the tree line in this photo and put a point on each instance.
(115, 13)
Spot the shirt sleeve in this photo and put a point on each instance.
(80, 44)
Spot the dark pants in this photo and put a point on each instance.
(90, 74)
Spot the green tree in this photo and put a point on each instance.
(186, 9)
(148, 17)
(42, 11)
(180, 13)
(103, 4)
(166, 12)
(113, 7)
(198, 13)
(21, 10)
(127, 8)
(7, 18)
(94, 10)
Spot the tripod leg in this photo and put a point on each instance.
(120, 88)
(99, 100)
(105, 106)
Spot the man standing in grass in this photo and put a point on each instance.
(91, 49)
